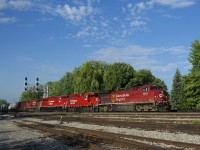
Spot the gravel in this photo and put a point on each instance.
(17, 138)
(179, 137)
(14, 137)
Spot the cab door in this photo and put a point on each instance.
(145, 91)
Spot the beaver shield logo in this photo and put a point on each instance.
(113, 98)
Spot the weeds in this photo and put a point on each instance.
(195, 121)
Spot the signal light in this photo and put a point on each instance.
(26, 81)
(37, 89)
(26, 84)
(37, 84)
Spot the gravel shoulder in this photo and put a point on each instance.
(14, 137)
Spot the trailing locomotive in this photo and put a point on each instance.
(141, 98)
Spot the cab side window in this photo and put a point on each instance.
(153, 88)
(86, 96)
(145, 89)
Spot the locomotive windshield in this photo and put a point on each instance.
(154, 87)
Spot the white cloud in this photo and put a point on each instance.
(24, 58)
(176, 50)
(87, 45)
(170, 16)
(135, 12)
(173, 3)
(142, 57)
(137, 23)
(136, 55)
(141, 6)
(83, 33)
(16, 4)
(20, 4)
(74, 13)
(115, 18)
(6, 20)
(164, 67)
(105, 23)
(129, 5)
(3, 4)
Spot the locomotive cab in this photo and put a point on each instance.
(152, 98)
(92, 98)
(159, 93)
(160, 97)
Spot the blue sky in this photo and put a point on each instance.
(46, 38)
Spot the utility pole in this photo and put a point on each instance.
(45, 91)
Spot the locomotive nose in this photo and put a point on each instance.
(162, 96)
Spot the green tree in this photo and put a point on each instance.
(53, 88)
(194, 56)
(3, 101)
(191, 90)
(31, 94)
(89, 77)
(118, 75)
(66, 84)
(77, 80)
(191, 82)
(142, 77)
(177, 90)
(185, 102)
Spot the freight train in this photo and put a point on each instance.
(142, 98)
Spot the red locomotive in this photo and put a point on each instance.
(142, 98)
(82, 102)
(56, 103)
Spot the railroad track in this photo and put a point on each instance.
(118, 114)
(132, 120)
(87, 138)
(91, 139)
(170, 127)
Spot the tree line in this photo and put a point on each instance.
(98, 76)
(185, 93)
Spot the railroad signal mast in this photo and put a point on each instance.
(45, 92)
(38, 88)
